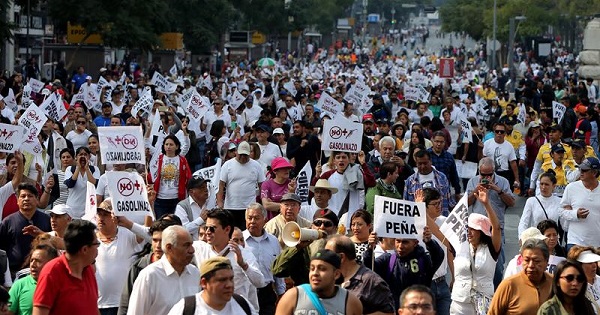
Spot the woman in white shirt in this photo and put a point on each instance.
(544, 206)
(80, 135)
(76, 178)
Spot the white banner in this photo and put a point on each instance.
(79, 97)
(92, 97)
(153, 165)
(11, 137)
(212, 173)
(558, 111)
(33, 119)
(144, 103)
(423, 94)
(162, 84)
(208, 83)
(341, 134)
(466, 170)
(289, 86)
(10, 101)
(455, 226)
(521, 114)
(237, 99)
(357, 93)
(53, 107)
(466, 129)
(91, 205)
(411, 93)
(397, 218)
(128, 194)
(329, 105)
(173, 70)
(36, 85)
(303, 183)
(196, 107)
(183, 99)
(121, 145)
(419, 79)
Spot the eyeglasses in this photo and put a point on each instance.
(486, 174)
(81, 122)
(416, 307)
(580, 278)
(211, 228)
(96, 243)
(325, 223)
(500, 132)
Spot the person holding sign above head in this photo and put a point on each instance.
(173, 175)
(474, 270)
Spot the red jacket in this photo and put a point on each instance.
(184, 175)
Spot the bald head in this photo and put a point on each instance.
(342, 245)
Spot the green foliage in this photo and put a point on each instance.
(6, 27)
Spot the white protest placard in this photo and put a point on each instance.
(224, 90)
(365, 105)
(341, 134)
(398, 218)
(237, 99)
(79, 97)
(26, 95)
(303, 183)
(102, 82)
(92, 97)
(521, 114)
(411, 93)
(183, 99)
(558, 111)
(196, 107)
(289, 86)
(36, 85)
(466, 129)
(423, 94)
(212, 173)
(455, 226)
(481, 103)
(91, 206)
(466, 170)
(54, 108)
(329, 105)
(121, 145)
(128, 194)
(357, 93)
(419, 79)
(173, 70)
(153, 164)
(10, 101)
(144, 103)
(162, 84)
(208, 82)
(33, 119)
(11, 137)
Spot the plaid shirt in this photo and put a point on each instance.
(440, 183)
(445, 164)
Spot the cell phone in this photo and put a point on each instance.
(485, 181)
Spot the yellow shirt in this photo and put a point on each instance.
(515, 138)
(561, 174)
(543, 155)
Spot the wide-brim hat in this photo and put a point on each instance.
(323, 184)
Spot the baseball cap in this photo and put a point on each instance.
(368, 117)
(326, 214)
(556, 127)
(578, 143)
(590, 163)
(249, 99)
(587, 256)
(531, 233)
(557, 148)
(105, 205)
(480, 222)
(292, 197)
(261, 126)
(106, 104)
(60, 210)
(278, 131)
(329, 257)
(196, 181)
(214, 263)
(243, 148)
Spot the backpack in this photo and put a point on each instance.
(189, 304)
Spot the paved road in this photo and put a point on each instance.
(511, 222)
(434, 44)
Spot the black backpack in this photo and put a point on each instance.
(189, 304)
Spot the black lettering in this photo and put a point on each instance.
(133, 206)
(6, 146)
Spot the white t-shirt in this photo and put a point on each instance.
(232, 307)
(169, 178)
(112, 267)
(78, 140)
(586, 231)
(102, 187)
(241, 182)
(268, 152)
(210, 117)
(429, 178)
(502, 153)
(76, 198)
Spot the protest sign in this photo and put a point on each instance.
(36, 85)
(183, 99)
(212, 173)
(92, 97)
(466, 129)
(357, 93)
(173, 70)
(419, 79)
(341, 134)
(33, 120)
(398, 218)
(237, 99)
(144, 103)
(289, 86)
(79, 97)
(10, 101)
(91, 205)
(25, 98)
(521, 114)
(196, 107)
(411, 93)
(455, 226)
(162, 84)
(446, 68)
(153, 164)
(423, 94)
(466, 170)
(208, 83)
(53, 107)
(121, 145)
(329, 105)
(11, 137)
(128, 194)
(558, 111)
(303, 183)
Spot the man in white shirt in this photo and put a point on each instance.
(217, 290)
(503, 154)
(251, 112)
(160, 285)
(240, 176)
(265, 248)
(192, 210)
(219, 228)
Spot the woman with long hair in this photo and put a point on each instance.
(76, 178)
(568, 289)
(588, 259)
(95, 156)
(534, 140)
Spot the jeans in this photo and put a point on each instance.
(202, 151)
(499, 273)
(109, 311)
(164, 206)
(441, 291)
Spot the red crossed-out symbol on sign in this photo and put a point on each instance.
(127, 187)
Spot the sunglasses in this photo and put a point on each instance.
(325, 223)
(81, 122)
(580, 278)
(486, 174)
(211, 228)
(500, 132)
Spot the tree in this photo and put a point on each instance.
(6, 27)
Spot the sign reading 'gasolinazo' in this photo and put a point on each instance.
(341, 134)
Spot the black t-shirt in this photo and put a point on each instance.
(16, 244)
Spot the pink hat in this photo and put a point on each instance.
(480, 222)
(279, 163)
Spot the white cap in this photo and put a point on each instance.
(588, 257)
(531, 233)
(243, 148)
(278, 131)
(60, 210)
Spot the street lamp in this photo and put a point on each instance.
(511, 43)
(393, 11)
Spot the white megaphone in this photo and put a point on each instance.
(293, 234)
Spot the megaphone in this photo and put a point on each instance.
(293, 234)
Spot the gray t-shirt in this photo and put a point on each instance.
(497, 203)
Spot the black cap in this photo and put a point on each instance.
(578, 143)
(292, 197)
(106, 104)
(328, 256)
(196, 181)
(590, 163)
(557, 148)
(556, 127)
(261, 126)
